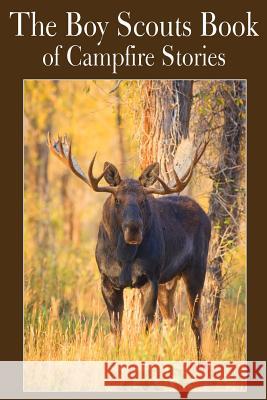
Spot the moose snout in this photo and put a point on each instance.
(133, 232)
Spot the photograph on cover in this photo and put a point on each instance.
(134, 220)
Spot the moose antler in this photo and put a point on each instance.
(95, 181)
(184, 180)
(61, 148)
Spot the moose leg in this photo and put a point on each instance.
(149, 302)
(166, 299)
(194, 299)
(114, 302)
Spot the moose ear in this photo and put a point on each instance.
(111, 174)
(149, 175)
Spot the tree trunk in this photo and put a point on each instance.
(166, 114)
(224, 210)
(167, 107)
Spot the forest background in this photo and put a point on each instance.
(130, 123)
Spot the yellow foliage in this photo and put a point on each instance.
(65, 317)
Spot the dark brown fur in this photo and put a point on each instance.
(149, 243)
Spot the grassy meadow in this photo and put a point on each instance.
(73, 323)
(64, 314)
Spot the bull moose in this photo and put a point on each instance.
(144, 242)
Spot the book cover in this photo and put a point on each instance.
(133, 218)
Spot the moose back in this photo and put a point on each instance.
(145, 242)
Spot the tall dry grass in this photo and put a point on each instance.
(50, 336)
(75, 326)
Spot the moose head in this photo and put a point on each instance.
(129, 196)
